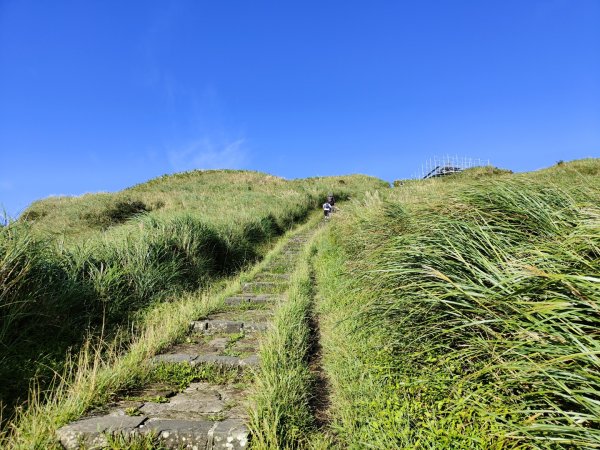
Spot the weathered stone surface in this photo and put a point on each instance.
(251, 361)
(189, 434)
(252, 327)
(250, 298)
(229, 361)
(194, 403)
(227, 326)
(272, 276)
(258, 286)
(230, 396)
(92, 432)
(230, 434)
(175, 357)
(260, 314)
(219, 343)
(216, 326)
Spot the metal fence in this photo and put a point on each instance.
(439, 166)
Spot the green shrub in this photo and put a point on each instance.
(488, 299)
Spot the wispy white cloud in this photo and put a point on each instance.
(6, 185)
(198, 131)
(204, 153)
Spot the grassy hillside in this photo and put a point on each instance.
(459, 312)
(464, 312)
(221, 198)
(73, 266)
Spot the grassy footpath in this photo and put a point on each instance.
(103, 369)
(463, 313)
(281, 414)
(93, 265)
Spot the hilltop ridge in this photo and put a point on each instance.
(218, 196)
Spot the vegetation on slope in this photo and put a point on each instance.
(220, 198)
(103, 369)
(463, 313)
(88, 265)
(281, 412)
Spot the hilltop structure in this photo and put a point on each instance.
(447, 165)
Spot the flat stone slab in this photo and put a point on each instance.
(175, 358)
(189, 434)
(225, 326)
(216, 348)
(258, 314)
(216, 326)
(250, 298)
(231, 434)
(227, 361)
(253, 327)
(174, 433)
(219, 343)
(272, 276)
(92, 432)
(200, 401)
(259, 286)
(252, 361)
(190, 404)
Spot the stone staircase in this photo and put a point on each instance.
(205, 415)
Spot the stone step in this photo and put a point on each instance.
(230, 434)
(216, 326)
(242, 299)
(272, 276)
(254, 287)
(174, 433)
(91, 433)
(204, 416)
(258, 314)
(281, 267)
(200, 400)
(226, 326)
(219, 347)
(227, 361)
(195, 359)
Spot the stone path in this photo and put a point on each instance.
(205, 415)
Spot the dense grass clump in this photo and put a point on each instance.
(281, 414)
(75, 266)
(487, 295)
(220, 198)
(51, 297)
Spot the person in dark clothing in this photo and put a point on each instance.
(326, 209)
(331, 200)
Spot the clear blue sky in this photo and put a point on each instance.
(100, 95)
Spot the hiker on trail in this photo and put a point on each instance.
(326, 209)
(331, 201)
